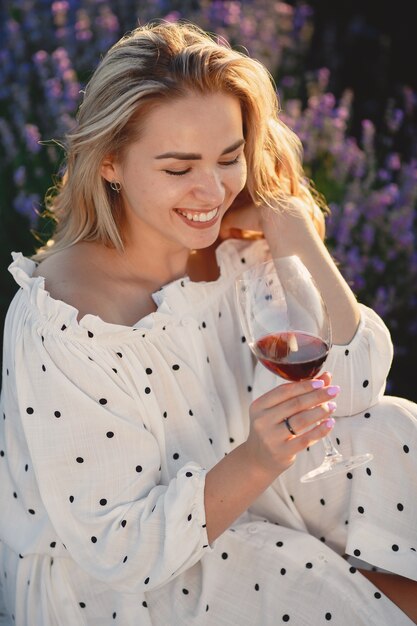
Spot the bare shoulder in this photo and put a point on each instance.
(71, 275)
(89, 277)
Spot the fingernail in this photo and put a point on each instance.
(317, 384)
(334, 390)
(331, 406)
(330, 422)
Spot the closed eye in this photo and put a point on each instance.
(235, 160)
(177, 173)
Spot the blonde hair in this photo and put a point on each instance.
(156, 63)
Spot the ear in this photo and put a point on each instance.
(108, 169)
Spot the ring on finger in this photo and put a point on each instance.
(288, 425)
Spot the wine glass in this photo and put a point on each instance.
(287, 327)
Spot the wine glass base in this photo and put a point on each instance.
(333, 465)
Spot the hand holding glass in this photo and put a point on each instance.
(287, 326)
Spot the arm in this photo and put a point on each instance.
(291, 231)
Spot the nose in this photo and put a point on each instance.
(209, 189)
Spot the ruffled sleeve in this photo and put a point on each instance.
(360, 367)
(97, 464)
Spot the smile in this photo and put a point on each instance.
(199, 216)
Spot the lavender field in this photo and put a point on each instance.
(367, 171)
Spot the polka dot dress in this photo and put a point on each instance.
(106, 436)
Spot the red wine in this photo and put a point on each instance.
(292, 355)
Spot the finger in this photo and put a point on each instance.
(287, 391)
(327, 377)
(309, 438)
(307, 420)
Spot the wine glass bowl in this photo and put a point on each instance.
(287, 327)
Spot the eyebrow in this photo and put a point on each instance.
(192, 156)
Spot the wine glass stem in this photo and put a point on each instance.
(331, 451)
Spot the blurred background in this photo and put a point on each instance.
(345, 74)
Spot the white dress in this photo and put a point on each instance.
(107, 435)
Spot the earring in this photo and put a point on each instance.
(116, 186)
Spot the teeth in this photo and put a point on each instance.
(200, 217)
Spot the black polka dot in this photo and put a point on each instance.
(188, 474)
(352, 569)
(103, 501)
(43, 368)
(114, 370)
(211, 440)
(29, 410)
(109, 434)
(367, 415)
(165, 414)
(346, 352)
(395, 548)
(190, 517)
(349, 475)
(377, 595)
(26, 467)
(80, 459)
(285, 618)
(176, 367)
(322, 501)
(204, 325)
(406, 449)
(207, 607)
(361, 510)
(243, 339)
(57, 413)
(52, 544)
(31, 511)
(224, 555)
(357, 552)
(119, 354)
(279, 544)
(14, 494)
(185, 592)
(103, 401)
(249, 388)
(400, 506)
(309, 565)
(292, 498)
(114, 615)
(365, 383)
(123, 523)
(175, 456)
(144, 603)
(368, 471)
(125, 559)
(90, 334)
(147, 390)
(328, 616)
(323, 539)
(148, 371)
(256, 587)
(63, 327)
(283, 571)
(94, 539)
(139, 468)
(71, 498)
(243, 260)
(82, 605)
(1, 452)
(146, 581)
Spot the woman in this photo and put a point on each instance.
(148, 475)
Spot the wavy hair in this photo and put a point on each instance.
(156, 63)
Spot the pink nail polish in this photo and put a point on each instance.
(331, 406)
(334, 390)
(330, 422)
(317, 384)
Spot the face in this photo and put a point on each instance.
(182, 175)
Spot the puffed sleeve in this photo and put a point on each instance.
(360, 367)
(98, 466)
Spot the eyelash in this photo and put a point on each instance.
(183, 172)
